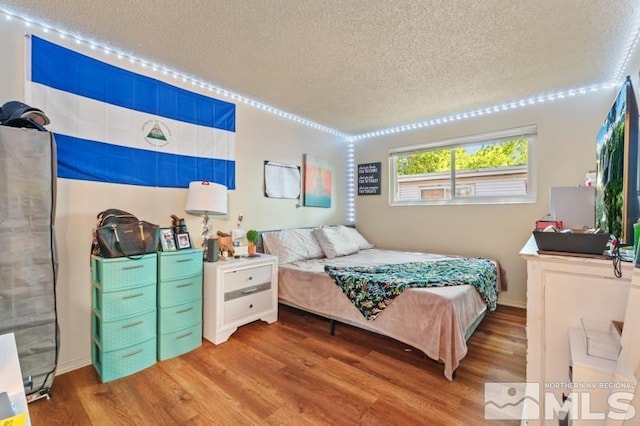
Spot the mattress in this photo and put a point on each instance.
(435, 320)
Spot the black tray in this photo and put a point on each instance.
(576, 242)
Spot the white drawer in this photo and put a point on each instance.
(235, 280)
(249, 307)
(247, 291)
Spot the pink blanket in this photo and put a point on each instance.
(440, 317)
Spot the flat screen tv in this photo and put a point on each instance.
(617, 201)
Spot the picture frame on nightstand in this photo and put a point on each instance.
(183, 241)
(167, 240)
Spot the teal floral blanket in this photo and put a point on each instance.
(373, 288)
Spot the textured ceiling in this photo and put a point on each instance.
(362, 65)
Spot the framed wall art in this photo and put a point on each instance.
(281, 180)
(317, 182)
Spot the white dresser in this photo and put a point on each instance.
(560, 291)
(627, 374)
(237, 292)
(592, 375)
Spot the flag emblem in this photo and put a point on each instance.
(156, 133)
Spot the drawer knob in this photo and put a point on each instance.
(184, 335)
(130, 354)
(132, 296)
(184, 285)
(126, 268)
(133, 324)
(251, 306)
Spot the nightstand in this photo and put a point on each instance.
(237, 292)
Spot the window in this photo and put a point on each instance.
(480, 169)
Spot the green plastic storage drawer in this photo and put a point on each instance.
(179, 316)
(120, 273)
(179, 291)
(121, 304)
(123, 362)
(180, 342)
(179, 264)
(125, 332)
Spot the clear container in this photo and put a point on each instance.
(602, 339)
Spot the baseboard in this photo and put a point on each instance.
(72, 365)
(513, 303)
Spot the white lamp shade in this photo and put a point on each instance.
(206, 197)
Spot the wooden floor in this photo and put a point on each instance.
(294, 372)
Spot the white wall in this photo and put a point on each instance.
(565, 151)
(259, 136)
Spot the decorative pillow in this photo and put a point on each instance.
(335, 241)
(291, 245)
(357, 238)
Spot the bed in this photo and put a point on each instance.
(435, 320)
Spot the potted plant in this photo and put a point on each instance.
(252, 237)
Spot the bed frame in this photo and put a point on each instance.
(456, 311)
(443, 318)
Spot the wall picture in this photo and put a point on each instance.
(369, 178)
(317, 182)
(281, 180)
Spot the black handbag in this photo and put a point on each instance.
(121, 234)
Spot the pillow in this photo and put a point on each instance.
(336, 241)
(357, 238)
(291, 245)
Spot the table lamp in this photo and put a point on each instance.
(206, 198)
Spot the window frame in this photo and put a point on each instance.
(529, 132)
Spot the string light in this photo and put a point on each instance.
(625, 60)
(47, 28)
(485, 111)
(351, 207)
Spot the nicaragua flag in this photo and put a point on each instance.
(114, 125)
